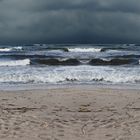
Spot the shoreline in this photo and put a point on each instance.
(72, 113)
(22, 87)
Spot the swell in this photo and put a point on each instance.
(111, 48)
(128, 56)
(55, 61)
(59, 60)
(117, 61)
(24, 56)
(74, 62)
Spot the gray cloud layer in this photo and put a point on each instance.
(69, 21)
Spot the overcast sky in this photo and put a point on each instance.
(69, 21)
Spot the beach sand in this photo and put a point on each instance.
(77, 113)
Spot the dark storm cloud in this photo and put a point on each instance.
(66, 21)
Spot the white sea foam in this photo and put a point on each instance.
(5, 49)
(84, 49)
(15, 62)
(10, 49)
(81, 74)
(17, 48)
(55, 51)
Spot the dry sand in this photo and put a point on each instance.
(70, 114)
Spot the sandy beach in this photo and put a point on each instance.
(70, 114)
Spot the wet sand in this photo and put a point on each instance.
(76, 113)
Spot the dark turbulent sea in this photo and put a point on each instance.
(62, 64)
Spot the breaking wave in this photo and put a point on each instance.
(80, 74)
(15, 62)
(84, 49)
(10, 49)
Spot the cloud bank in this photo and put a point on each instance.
(65, 21)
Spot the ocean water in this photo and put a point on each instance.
(65, 64)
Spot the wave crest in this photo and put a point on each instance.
(84, 49)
